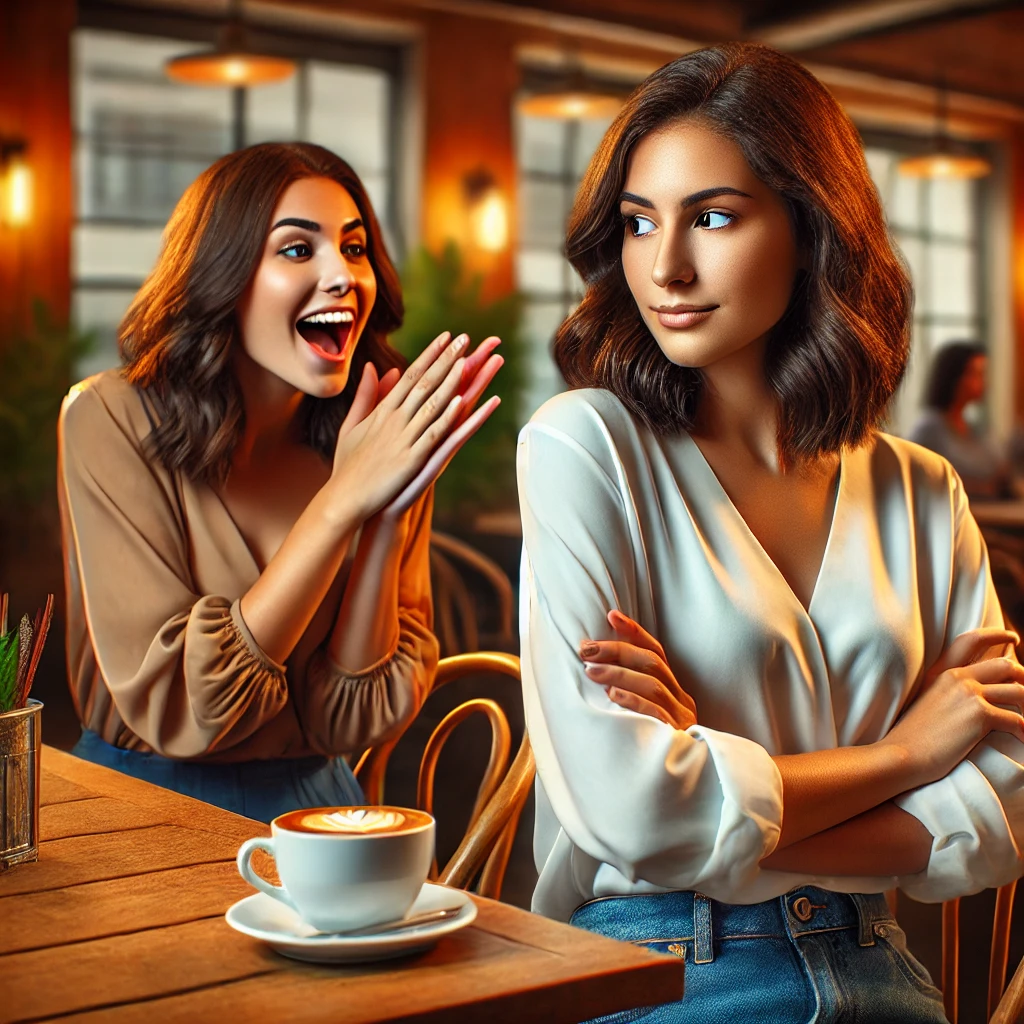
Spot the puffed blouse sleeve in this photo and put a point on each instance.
(344, 711)
(182, 669)
(975, 814)
(694, 809)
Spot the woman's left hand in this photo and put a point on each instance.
(635, 674)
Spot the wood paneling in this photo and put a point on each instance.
(35, 106)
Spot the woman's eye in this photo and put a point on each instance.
(639, 226)
(354, 249)
(296, 250)
(713, 220)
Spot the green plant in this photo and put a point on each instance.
(441, 295)
(35, 372)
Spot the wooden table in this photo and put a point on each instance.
(122, 919)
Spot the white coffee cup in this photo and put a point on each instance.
(345, 868)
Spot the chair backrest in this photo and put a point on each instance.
(1004, 1004)
(454, 610)
(487, 843)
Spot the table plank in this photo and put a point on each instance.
(96, 910)
(64, 862)
(56, 790)
(94, 815)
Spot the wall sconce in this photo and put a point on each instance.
(488, 211)
(15, 184)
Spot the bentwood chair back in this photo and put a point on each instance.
(485, 847)
(455, 615)
(1005, 1004)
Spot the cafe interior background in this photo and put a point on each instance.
(471, 122)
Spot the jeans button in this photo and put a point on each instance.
(882, 931)
(802, 908)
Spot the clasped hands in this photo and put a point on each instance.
(402, 429)
(966, 694)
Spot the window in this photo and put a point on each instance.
(141, 139)
(552, 156)
(937, 224)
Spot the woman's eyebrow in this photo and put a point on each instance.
(351, 225)
(690, 200)
(296, 222)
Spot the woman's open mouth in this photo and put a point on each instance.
(327, 333)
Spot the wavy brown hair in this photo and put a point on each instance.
(179, 334)
(838, 354)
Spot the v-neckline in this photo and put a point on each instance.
(837, 505)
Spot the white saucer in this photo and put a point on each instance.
(265, 918)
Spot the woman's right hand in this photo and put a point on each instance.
(396, 425)
(962, 700)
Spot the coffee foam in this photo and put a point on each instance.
(353, 821)
(362, 821)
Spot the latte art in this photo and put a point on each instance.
(361, 821)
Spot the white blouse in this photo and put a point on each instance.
(616, 517)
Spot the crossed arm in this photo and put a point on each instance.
(839, 818)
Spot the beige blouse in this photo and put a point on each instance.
(159, 657)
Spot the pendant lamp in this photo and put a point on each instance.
(232, 63)
(571, 97)
(947, 159)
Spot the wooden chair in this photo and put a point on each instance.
(487, 843)
(454, 610)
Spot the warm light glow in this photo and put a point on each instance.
(945, 165)
(16, 192)
(489, 218)
(230, 69)
(570, 105)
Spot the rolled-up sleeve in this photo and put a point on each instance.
(344, 711)
(182, 669)
(694, 809)
(975, 814)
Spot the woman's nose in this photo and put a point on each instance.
(673, 263)
(337, 278)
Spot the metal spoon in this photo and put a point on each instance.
(426, 917)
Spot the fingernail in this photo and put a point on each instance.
(588, 649)
(460, 342)
(592, 666)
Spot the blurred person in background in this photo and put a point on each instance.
(957, 379)
(246, 502)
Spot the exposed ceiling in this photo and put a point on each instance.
(974, 46)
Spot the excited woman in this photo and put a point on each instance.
(246, 502)
(752, 623)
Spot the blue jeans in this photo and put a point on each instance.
(809, 956)
(256, 789)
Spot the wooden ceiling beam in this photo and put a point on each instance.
(853, 20)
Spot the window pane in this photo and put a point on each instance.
(271, 112)
(950, 203)
(951, 280)
(589, 136)
(114, 251)
(348, 113)
(905, 207)
(541, 321)
(541, 142)
(543, 209)
(100, 310)
(540, 272)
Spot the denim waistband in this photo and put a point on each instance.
(686, 916)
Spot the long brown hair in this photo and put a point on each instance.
(838, 354)
(179, 333)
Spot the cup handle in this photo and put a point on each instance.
(244, 860)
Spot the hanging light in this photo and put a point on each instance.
(232, 63)
(947, 159)
(572, 97)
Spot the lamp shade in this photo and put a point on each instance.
(945, 165)
(570, 104)
(238, 68)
